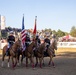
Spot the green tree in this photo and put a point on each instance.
(73, 31)
(60, 33)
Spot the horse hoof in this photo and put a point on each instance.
(2, 66)
(34, 68)
(41, 67)
(8, 66)
(53, 66)
(18, 64)
(43, 64)
(49, 65)
(35, 65)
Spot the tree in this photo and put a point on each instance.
(60, 33)
(73, 31)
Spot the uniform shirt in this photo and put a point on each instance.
(11, 38)
(27, 39)
(47, 41)
(38, 40)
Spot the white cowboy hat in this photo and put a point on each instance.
(11, 32)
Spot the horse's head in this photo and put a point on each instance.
(18, 44)
(34, 44)
(42, 47)
(54, 44)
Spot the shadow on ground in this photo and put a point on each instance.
(67, 54)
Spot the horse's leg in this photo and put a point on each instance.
(26, 61)
(40, 59)
(32, 61)
(21, 58)
(36, 61)
(15, 62)
(18, 57)
(51, 61)
(8, 61)
(3, 56)
(43, 62)
(12, 61)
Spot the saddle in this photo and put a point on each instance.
(46, 53)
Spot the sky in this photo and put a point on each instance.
(53, 14)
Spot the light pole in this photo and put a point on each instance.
(0, 31)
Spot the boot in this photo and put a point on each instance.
(23, 53)
(7, 51)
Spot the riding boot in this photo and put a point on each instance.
(23, 53)
(7, 51)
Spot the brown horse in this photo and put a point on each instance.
(12, 53)
(39, 53)
(29, 54)
(50, 52)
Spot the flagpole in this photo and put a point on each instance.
(36, 22)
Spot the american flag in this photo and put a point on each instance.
(23, 35)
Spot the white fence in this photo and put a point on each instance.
(59, 45)
(66, 44)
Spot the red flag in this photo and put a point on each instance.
(34, 31)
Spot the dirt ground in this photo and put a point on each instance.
(65, 64)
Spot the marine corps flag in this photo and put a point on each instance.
(34, 31)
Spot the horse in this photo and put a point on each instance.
(12, 53)
(50, 52)
(39, 53)
(28, 52)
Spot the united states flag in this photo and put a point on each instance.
(23, 35)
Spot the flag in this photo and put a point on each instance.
(34, 31)
(23, 35)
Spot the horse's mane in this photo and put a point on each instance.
(16, 45)
(54, 44)
(31, 45)
(41, 47)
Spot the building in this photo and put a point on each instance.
(2, 22)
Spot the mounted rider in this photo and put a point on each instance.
(10, 40)
(38, 40)
(47, 41)
(27, 40)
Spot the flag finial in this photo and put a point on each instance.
(35, 17)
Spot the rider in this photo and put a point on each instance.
(52, 40)
(10, 40)
(38, 40)
(27, 40)
(47, 41)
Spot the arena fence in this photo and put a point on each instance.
(59, 45)
(66, 44)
